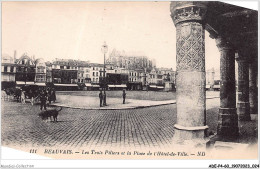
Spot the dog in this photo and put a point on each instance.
(50, 113)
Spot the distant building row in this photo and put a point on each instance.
(133, 73)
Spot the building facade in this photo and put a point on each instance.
(8, 70)
(40, 71)
(132, 72)
(25, 70)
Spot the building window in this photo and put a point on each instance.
(5, 69)
(96, 79)
(96, 73)
(61, 67)
(93, 73)
(12, 69)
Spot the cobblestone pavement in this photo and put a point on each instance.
(92, 103)
(84, 101)
(146, 127)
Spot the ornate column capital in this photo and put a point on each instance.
(183, 11)
(223, 44)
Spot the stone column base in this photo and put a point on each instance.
(243, 111)
(188, 135)
(227, 123)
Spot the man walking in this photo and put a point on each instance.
(43, 98)
(124, 95)
(100, 98)
(105, 99)
(22, 97)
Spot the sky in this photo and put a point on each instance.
(77, 30)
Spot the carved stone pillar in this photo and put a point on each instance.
(190, 75)
(253, 91)
(243, 106)
(227, 118)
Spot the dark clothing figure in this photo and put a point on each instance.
(49, 96)
(43, 98)
(53, 95)
(124, 95)
(100, 98)
(104, 99)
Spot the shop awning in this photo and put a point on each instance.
(153, 86)
(160, 87)
(95, 86)
(122, 85)
(88, 84)
(72, 85)
(20, 82)
(111, 85)
(29, 83)
(40, 84)
(24, 83)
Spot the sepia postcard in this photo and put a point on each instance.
(144, 80)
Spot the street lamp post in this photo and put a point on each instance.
(104, 49)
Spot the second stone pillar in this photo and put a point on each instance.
(253, 91)
(243, 106)
(227, 118)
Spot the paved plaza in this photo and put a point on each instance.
(139, 127)
(89, 99)
(152, 126)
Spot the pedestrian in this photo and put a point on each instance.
(22, 97)
(31, 96)
(100, 98)
(53, 95)
(43, 98)
(104, 99)
(124, 95)
(49, 96)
